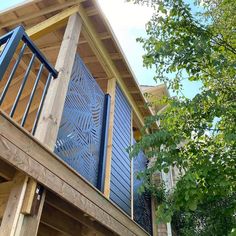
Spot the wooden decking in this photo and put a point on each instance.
(19, 150)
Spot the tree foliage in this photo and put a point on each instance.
(198, 135)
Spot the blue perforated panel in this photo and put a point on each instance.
(120, 172)
(142, 202)
(79, 137)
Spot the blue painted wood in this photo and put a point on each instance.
(79, 137)
(120, 171)
(142, 202)
(103, 147)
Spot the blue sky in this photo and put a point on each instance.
(128, 23)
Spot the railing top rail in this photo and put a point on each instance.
(39, 55)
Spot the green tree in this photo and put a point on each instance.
(194, 42)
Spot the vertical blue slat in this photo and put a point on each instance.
(103, 147)
(121, 164)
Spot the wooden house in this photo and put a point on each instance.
(70, 107)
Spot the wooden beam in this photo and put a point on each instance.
(76, 214)
(51, 24)
(45, 230)
(25, 153)
(47, 129)
(5, 189)
(29, 197)
(42, 12)
(49, 122)
(59, 221)
(14, 204)
(6, 171)
(101, 36)
(92, 59)
(111, 89)
(91, 11)
(30, 224)
(109, 67)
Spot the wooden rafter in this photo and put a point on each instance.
(51, 24)
(99, 50)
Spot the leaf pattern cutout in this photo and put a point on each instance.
(79, 137)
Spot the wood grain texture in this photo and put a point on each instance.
(6, 171)
(5, 189)
(26, 154)
(50, 118)
(111, 89)
(14, 204)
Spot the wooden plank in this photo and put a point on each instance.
(31, 157)
(46, 129)
(6, 171)
(91, 11)
(59, 221)
(50, 118)
(45, 230)
(29, 197)
(76, 214)
(30, 224)
(111, 89)
(56, 184)
(5, 189)
(51, 24)
(14, 204)
(109, 67)
(101, 36)
(42, 12)
(92, 59)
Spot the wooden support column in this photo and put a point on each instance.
(50, 118)
(12, 212)
(111, 89)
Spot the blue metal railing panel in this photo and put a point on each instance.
(9, 44)
(39, 55)
(10, 48)
(142, 201)
(79, 137)
(12, 40)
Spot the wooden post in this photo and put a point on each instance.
(14, 204)
(111, 89)
(50, 118)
